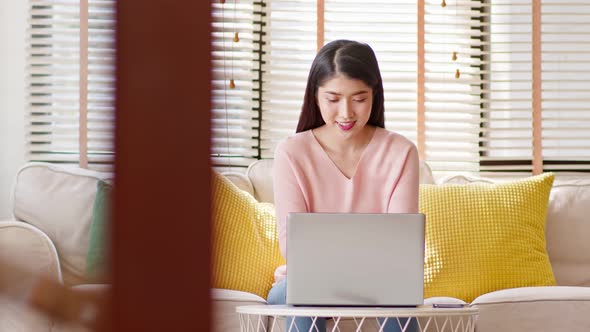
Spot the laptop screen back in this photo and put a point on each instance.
(355, 259)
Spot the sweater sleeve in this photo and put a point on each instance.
(288, 195)
(404, 198)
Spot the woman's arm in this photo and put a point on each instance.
(404, 198)
(288, 196)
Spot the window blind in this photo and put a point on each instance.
(53, 83)
(566, 84)
(389, 28)
(287, 58)
(237, 38)
(453, 84)
(479, 121)
(507, 119)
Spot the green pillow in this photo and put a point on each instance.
(98, 244)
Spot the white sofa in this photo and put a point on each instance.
(49, 233)
(52, 208)
(565, 307)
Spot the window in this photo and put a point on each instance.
(566, 84)
(564, 76)
(65, 123)
(453, 85)
(390, 29)
(237, 43)
(480, 121)
(508, 96)
(289, 51)
(452, 105)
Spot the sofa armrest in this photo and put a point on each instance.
(27, 247)
(32, 253)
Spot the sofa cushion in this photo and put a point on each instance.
(534, 309)
(260, 174)
(481, 238)
(99, 238)
(568, 227)
(58, 200)
(225, 302)
(245, 244)
(240, 180)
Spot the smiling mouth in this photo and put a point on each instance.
(346, 125)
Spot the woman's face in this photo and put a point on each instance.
(345, 104)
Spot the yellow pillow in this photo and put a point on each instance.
(485, 237)
(245, 242)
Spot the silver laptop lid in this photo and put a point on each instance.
(355, 259)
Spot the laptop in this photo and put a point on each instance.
(355, 259)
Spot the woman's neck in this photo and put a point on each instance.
(336, 143)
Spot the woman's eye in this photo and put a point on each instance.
(333, 100)
(359, 100)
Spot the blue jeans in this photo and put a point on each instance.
(278, 295)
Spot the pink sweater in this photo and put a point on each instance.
(305, 179)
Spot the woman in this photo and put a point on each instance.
(342, 159)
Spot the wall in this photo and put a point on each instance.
(13, 14)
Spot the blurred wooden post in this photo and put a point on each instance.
(537, 91)
(320, 13)
(160, 265)
(420, 81)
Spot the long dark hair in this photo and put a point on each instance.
(354, 60)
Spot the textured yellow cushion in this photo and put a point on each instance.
(485, 237)
(245, 243)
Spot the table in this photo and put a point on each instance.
(257, 318)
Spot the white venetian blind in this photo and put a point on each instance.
(481, 121)
(453, 105)
(390, 29)
(289, 52)
(565, 47)
(235, 113)
(53, 82)
(507, 127)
